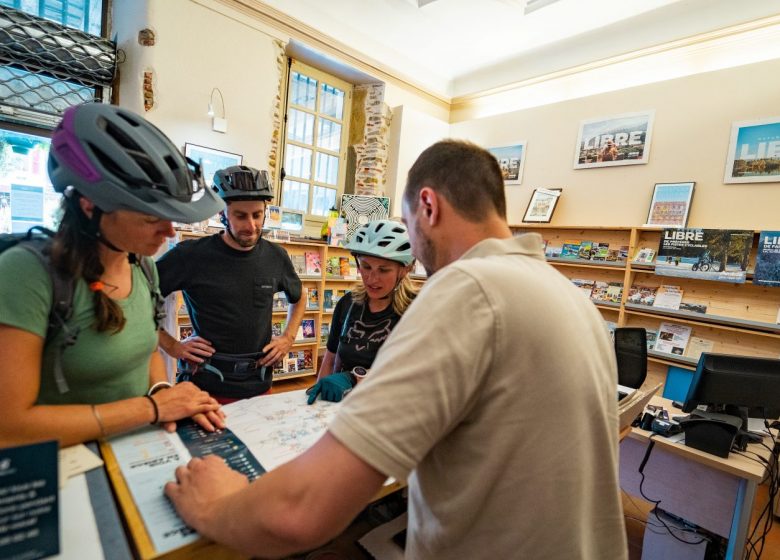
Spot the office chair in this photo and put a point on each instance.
(631, 354)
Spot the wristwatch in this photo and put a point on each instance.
(359, 372)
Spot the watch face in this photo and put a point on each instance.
(359, 371)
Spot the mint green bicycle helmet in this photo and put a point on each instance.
(385, 239)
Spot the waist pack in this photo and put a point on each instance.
(234, 376)
(38, 241)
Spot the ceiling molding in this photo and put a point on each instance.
(328, 45)
(464, 101)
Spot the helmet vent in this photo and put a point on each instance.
(121, 137)
(127, 118)
(171, 161)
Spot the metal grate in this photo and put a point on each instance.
(29, 97)
(42, 46)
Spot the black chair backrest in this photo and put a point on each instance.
(631, 353)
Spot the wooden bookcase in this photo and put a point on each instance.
(741, 318)
(317, 312)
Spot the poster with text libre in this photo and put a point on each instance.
(706, 254)
(767, 271)
(617, 140)
(754, 152)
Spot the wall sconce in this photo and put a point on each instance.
(218, 124)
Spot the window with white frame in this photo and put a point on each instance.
(315, 144)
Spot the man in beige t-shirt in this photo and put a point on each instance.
(493, 397)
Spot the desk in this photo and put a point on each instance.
(709, 491)
(275, 428)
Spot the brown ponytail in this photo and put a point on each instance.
(75, 253)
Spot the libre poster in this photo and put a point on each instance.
(707, 254)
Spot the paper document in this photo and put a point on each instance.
(78, 459)
(631, 406)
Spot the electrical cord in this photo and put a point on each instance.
(754, 544)
(657, 503)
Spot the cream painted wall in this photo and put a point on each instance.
(693, 117)
(203, 44)
(198, 49)
(411, 131)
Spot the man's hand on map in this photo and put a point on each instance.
(199, 486)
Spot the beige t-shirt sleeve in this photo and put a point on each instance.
(426, 376)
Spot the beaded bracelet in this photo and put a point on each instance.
(156, 410)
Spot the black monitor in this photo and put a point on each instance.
(725, 383)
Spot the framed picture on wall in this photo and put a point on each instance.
(670, 204)
(754, 152)
(610, 141)
(511, 159)
(541, 206)
(211, 160)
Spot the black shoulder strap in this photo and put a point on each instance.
(147, 265)
(61, 310)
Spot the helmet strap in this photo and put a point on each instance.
(94, 229)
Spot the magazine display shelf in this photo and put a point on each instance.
(741, 318)
(319, 282)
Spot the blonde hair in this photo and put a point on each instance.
(403, 294)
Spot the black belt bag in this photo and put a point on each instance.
(237, 375)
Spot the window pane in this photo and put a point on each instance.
(332, 101)
(295, 195)
(329, 135)
(84, 15)
(303, 90)
(300, 127)
(298, 162)
(324, 199)
(327, 169)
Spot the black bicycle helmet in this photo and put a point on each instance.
(120, 161)
(240, 182)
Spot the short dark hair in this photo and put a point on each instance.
(468, 176)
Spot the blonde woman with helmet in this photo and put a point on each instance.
(364, 317)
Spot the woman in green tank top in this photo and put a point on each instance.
(96, 372)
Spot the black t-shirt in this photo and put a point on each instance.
(229, 293)
(364, 334)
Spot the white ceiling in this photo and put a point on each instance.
(458, 47)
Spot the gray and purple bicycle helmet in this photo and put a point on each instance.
(120, 161)
(385, 239)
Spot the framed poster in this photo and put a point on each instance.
(670, 204)
(211, 160)
(619, 140)
(360, 209)
(541, 206)
(511, 160)
(754, 152)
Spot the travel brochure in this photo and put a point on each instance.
(767, 271)
(586, 250)
(672, 338)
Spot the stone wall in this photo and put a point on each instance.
(372, 152)
(276, 118)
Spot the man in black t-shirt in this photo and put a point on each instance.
(228, 281)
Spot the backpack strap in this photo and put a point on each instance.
(61, 310)
(147, 265)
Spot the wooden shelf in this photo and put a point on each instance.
(741, 317)
(606, 304)
(307, 373)
(607, 265)
(340, 279)
(718, 321)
